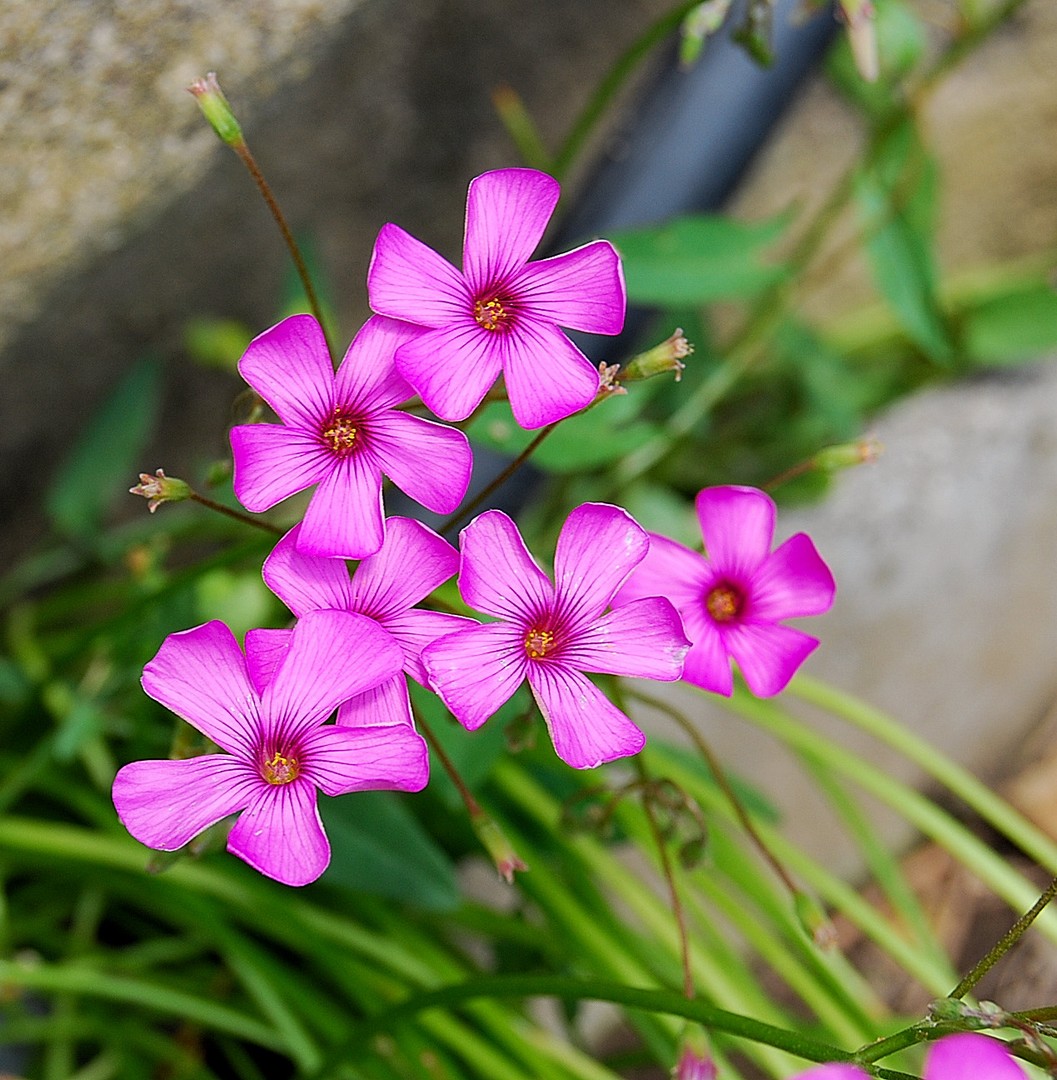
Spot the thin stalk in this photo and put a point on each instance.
(237, 515)
(473, 808)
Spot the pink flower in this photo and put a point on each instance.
(341, 431)
(269, 721)
(966, 1056)
(733, 598)
(552, 634)
(502, 313)
(412, 562)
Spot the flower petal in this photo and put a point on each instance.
(586, 728)
(582, 289)
(200, 674)
(384, 705)
(835, 1070)
(412, 562)
(333, 656)
(670, 570)
(414, 630)
(598, 547)
(273, 462)
(497, 574)
(707, 663)
(410, 281)
(306, 582)
(344, 518)
(547, 377)
(367, 379)
(737, 524)
(265, 652)
(344, 759)
(281, 834)
(453, 367)
(429, 462)
(768, 655)
(644, 639)
(959, 1057)
(289, 366)
(792, 581)
(476, 670)
(507, 212)
(166, 804)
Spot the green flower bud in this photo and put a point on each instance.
(217, 111)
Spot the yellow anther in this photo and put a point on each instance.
(538, 643)
(340, 434)
(281, 770)
(490, 313)
(724, 602)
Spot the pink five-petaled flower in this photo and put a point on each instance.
(341, 431)
(733, 598)
(412, 562)
(269, 720)
(966, 1056)
(502, 313)
(552, 634)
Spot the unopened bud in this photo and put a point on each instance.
(862, 36)
(216, 109)
(668, 356)
(506, 859)
(159, 488)
(700, 23)
(815, 922)
(695, 1062)
(846, 455)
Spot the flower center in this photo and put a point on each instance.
(281, 770)
(724, 602)
(339, 433)
(539, 642)
(492, 314)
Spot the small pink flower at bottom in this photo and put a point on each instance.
(550, 634)
(733, 598)
(269, 721)
(966, 1056)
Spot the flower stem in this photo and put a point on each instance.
(237, 515)
(472, 805)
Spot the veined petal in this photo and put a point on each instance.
(792, 581)
(408, 280)
(265, 652)
(429, 462)
(289, 366)
(200, 674)
(453, 367)
(768, 655)
(599, 545)
(670, 570)
(412, 562)
(476, 670)
(367, 379)
(414, 630)
(707, 663)
(507, 212)
(969, 1056)
(344, 759)
(333, 656)
(344, 518)
(281, 834)
(835, 1070)
(582, 289)
(497, 574)
(273, 462)
(547, 377)
(307, 582)
(384, 705)
(644, 639)
(737, 524)
(587, 729)
(166, 804)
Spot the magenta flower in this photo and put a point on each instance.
(552, 634)
(733, 598)
(412, 562)
(966, 1056)
(268, 719)
(502, 313)
(341, 431)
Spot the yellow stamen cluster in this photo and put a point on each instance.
(724, 603)
(538, 643)
(340, 433)
(281, 770)
(490, 313)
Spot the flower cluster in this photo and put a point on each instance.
(621, 602)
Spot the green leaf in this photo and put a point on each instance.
(379, 847)
(1021, 325)
(695, 260)
(104, 461)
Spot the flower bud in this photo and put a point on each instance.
(845, 455)
(695, 1062)
(668, 356)
(217, 111)
(815, 922)
(506, 859)
(862, 36)
(159, 488)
